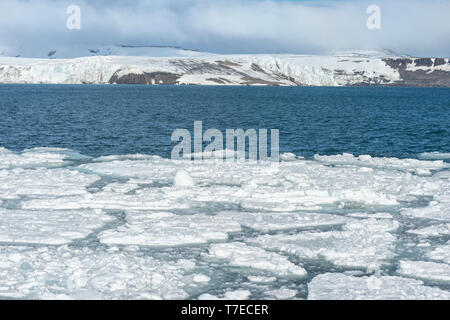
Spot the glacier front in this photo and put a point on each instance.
(339, 69)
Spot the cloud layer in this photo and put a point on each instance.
(419, 27)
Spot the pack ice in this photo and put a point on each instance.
(145, 227)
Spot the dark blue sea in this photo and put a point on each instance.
(102, 120)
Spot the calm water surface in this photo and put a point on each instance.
(102, 120)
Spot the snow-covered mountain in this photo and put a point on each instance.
(80, 50)
(169, 65)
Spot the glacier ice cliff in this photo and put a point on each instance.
(340, 69)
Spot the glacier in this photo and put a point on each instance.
(183, 67)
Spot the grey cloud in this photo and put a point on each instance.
(236, 26)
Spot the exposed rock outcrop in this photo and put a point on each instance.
(421, 72)
(144, 78)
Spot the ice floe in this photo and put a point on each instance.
(441, 253)
(82, 273)
(425, 270)
(37, 157)
(434, 155)
(410, 165)
(49, 227)
(378, 215)
(168, 229)
(44, 183)
(237, 295)
(261, 279)
(267, 221)
(100, 229)
(201, 278)
(296, 185)
(366, 244)
(337, 286)
(110, 158)
(116, 197)
(432, 231)
(240, 255)
(436, 211)
(281, 294)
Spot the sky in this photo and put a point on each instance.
(416, 27)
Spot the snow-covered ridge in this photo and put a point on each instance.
(82, 50)
(340, 69)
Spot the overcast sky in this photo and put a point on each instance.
(418, 27)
